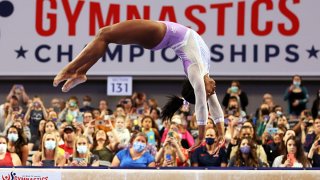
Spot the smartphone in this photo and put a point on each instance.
(291, 158)
(78, 159)
(79, 118)
(100, 122)
(168, 157)
(47, 163)
(170, 134)
(272, 131)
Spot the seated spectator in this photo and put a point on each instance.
(247, 131)
(50, 154)
(86, 104)
(103, 147)
(246, 155)
(150, 129)
(310, 137)
(234, 108)
(136, 155)
(104, 108)
(122, 132)
(172, 153)
(211, 153)
(18, 144)
(186, 138)
(314, 153)
(7, 158)
(293, 156)
(82, 155)
(274, 147)
(68, 137)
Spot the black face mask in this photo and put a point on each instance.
(232, 107)
(265, 111)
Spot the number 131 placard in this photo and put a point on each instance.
(119, 86)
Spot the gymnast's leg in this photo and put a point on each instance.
(146, 33)
(216, 113)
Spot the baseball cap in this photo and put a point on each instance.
(69, 128)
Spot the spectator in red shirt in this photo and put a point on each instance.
(68, 137)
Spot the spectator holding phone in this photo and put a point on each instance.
(314, 153)
(71, 112)
(82, 155)
(211, 153)
(246, 155)
(104, 108)
(172, 153)
(49, 154)
(19, 91)
(294, 155)
(311, 137)
(7, 158)
(316, 106)
(35, 113)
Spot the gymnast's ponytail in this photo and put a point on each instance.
(175, 102)
(171, 107)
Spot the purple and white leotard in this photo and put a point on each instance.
(195, 56)
(178, 38)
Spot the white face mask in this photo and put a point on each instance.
(3, 148)
(13, 137)
(50, 145)
(82, 149)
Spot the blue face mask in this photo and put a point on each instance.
(13, 137)
(245, 149)
(234, 89)
(210, 141)
(138, 146)
(296, 83)
(82, 149)
(50, 145)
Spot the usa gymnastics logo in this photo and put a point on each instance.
(14, 176)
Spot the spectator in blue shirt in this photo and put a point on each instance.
(136, 155)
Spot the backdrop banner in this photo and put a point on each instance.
(245, 38)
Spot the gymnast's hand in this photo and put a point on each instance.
(72, 78)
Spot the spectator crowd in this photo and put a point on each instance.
(71, 132)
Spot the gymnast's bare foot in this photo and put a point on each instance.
(72, 78)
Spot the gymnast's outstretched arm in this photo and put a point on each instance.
(146, 33)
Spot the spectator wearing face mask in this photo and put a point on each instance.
(236, 91)
(18, 144)
(7, 158)
(297, 97)
(50, 154)
(86, 104)
(82, 155)
(246, 155)
(136, 155)
(210, 154)
(234, 109)
(122, 132)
